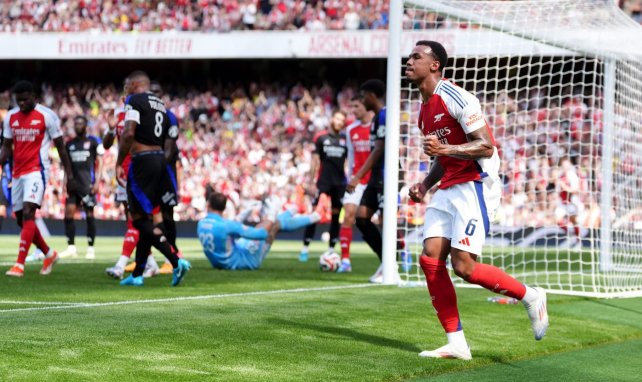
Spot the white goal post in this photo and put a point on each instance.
(560, 84)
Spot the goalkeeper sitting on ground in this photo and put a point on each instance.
(229, 244)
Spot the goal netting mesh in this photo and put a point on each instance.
(560, 84)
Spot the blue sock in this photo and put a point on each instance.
(290, 223)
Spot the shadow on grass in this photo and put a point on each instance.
(350, 333)
(611, 305)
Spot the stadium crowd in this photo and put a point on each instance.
(190, 15)
(212, 15)
(256, 140)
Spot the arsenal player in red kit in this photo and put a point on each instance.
(28, 130)
(457, 219)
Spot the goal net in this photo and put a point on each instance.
(560, 84)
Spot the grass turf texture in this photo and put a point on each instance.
(370, 333)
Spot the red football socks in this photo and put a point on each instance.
(496, 280)
(345, 235)
(40, 242)
(26, 238)
(442, 293)
(131, 239)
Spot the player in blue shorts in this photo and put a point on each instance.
(229, 244)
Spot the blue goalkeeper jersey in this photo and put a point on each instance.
(218, 237)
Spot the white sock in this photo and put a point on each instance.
(51, 253)
(244, 214)
(315, 217)
(151, 261)
(305, 249)
(122, 262)
(457, 339)
(530, 296)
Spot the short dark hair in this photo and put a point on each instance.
(438, 50)
(155, 83)
(217, 201)
(356, 97)
(22, 87)
(80, 116)
(375, 86)
(138, 75)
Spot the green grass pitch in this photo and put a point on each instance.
(288, 322)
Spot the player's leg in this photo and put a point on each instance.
(70, 226)
(369, 204)
(143, 248)
(440, 287)
(3, 214)
(3, 203)
(91, 230)
(129, 241)
(167, 209)
(336, 194)
(147, 187)
(308, 234)
(27, 195)
(351, 201)
(470, 228)
(573, 224)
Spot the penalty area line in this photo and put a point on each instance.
(65, 306)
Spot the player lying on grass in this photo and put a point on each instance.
(229, 244)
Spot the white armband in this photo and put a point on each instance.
(132, 115)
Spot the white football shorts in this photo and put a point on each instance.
(354, 197)
(28, 188)
(462, 213)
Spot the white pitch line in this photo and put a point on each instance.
(187, 298)
(10, 302)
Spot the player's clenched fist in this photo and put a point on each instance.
(417, 192)
(432, 147)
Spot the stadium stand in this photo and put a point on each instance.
(269, 128)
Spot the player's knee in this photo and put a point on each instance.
(139, 223)
(362, 222)
(463, 269)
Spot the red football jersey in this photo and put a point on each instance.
(358, 140)
(32, 134)
(450, 114)
(120, 127)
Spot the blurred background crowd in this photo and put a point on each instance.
(211, 15)
(249, 141)
(254, 137)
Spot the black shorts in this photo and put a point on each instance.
(82, 198)
(335, 192)
(150, 183)
(372, 198)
